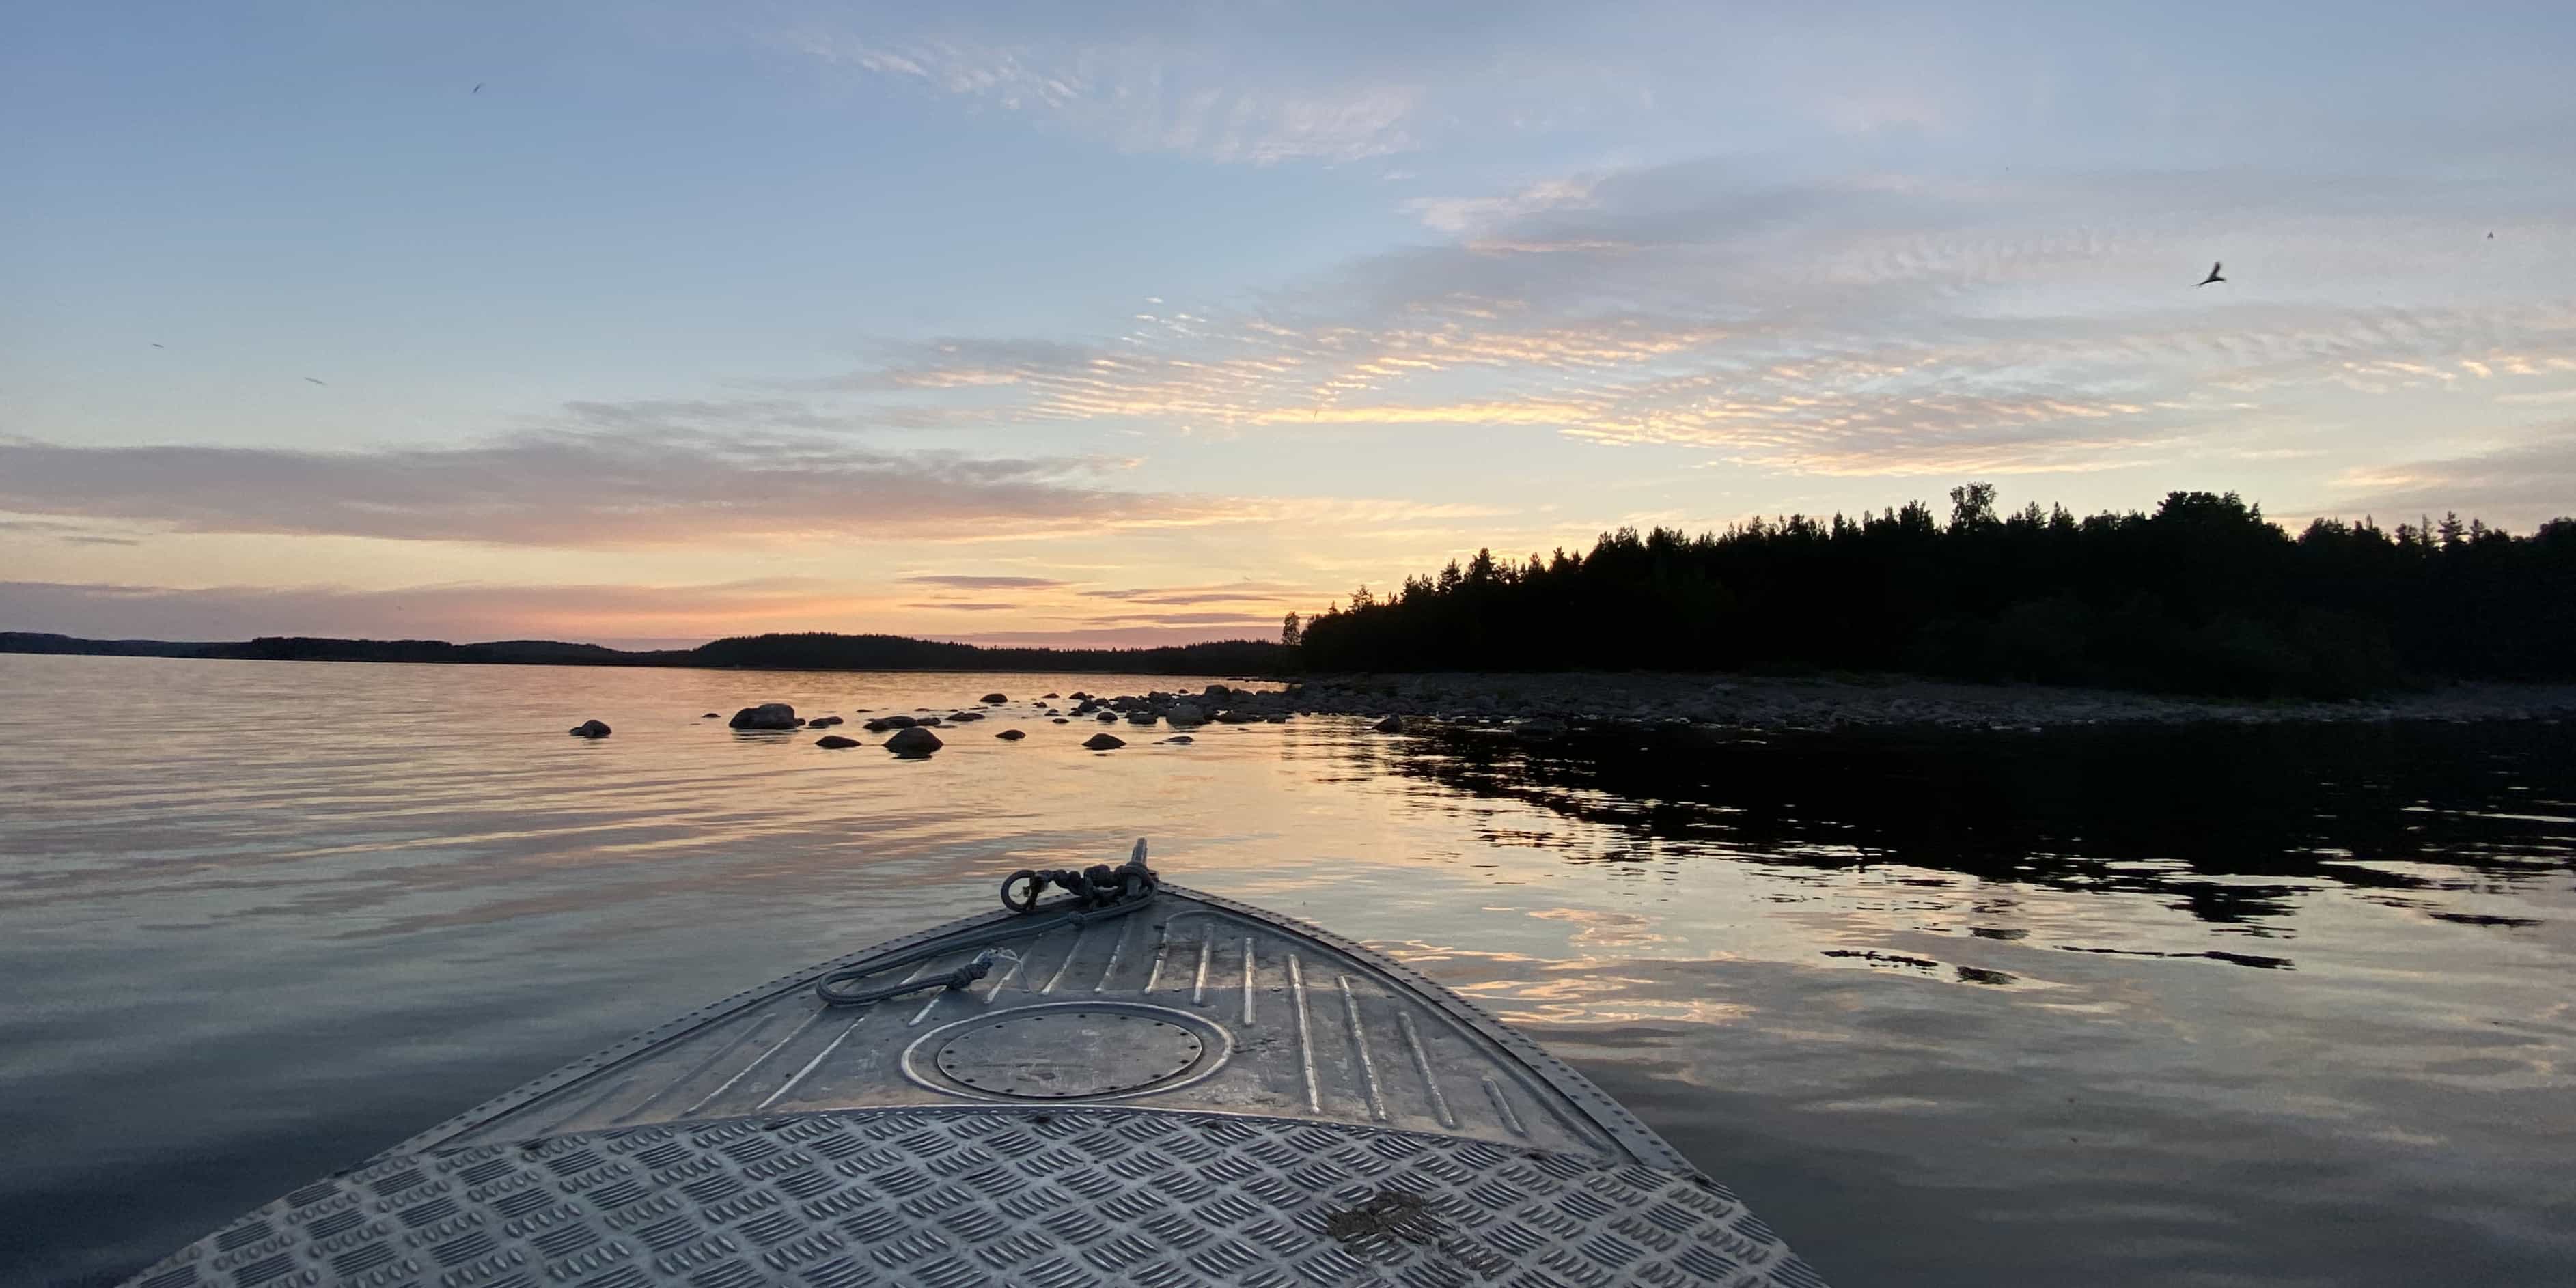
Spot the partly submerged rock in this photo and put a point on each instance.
(1181, 738)
(822, 722)
(1107, 717)
(915, 741)
(1010, 735)
(1392, 724)
(1141, 717)
(835, 741)
(589, 729)
(1187, 713)
(1103, 741)
(1063, 720)
(768, 715)
(711, 716)
(961, 717)
(883, 723)
(992, 699)
(1539, 729)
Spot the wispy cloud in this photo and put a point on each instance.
(957, 581)
(1865, 325)
(1236, 592)
(673, 614)
(2522, 484)
(575, 488)
(1473, 215)
(706, 416)
(1141, 96)
(462, 611)
(1142, 636)
(78, 534)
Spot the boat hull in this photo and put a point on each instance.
(1195, 1092)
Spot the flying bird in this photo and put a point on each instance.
(311, 381)
(2213, 276)
(157, 344)
(478, 88)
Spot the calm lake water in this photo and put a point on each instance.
(2213, 1006)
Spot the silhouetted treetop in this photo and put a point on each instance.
(2202, 595)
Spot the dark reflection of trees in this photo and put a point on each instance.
(2226, 823)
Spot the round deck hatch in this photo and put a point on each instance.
(1068, 1051)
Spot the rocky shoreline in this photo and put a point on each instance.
(1542, 705)
(1671, 710)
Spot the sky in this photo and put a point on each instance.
(1145, 323)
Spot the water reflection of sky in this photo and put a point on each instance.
(2123, 1006)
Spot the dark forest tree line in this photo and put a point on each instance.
(2203, 595)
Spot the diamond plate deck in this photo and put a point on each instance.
(1314, 1026)
(1200, 1092)
(980, 1198)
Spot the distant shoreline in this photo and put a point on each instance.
(1580, 703)
(801, 652)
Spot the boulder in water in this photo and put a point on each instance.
(1046, 695)
(992, 699)
(1107, 717)
(835, 741)
(883, 723)
(768, 715)
(915, 741)
(1141, 717)
(1103, 742)
(1181, 739)
(1392, 724)
(589, 729)
(822, 722)
(1063, 720)
(1187, 713)
(1010, 735)
(711, 716)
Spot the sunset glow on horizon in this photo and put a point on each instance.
(1158, 323)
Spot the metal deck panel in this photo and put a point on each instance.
(970, 1197)
(1198, 1092)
